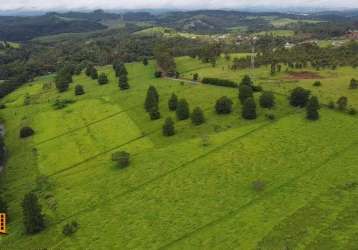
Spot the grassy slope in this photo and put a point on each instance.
(178, 193)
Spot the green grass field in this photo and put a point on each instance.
(179, 193)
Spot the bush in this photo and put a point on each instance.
(245, 92)
(258, 185)
(249, 109)
(26, 132)
(299, 97)
(267, 100)
(3, 206)
(271, 117)
(256, 88)
(70, 228)
(352, 111)
(102, 79)
(197, 116)
(219, 82)
(173, 102)
(2, 106)
(331, 105)
(122, 158)
(60, 104)
(79, 90)
(157, 74)
(342, 103)
(353, 84)
(317, 84)
(168, 127)
(154, 113)
(195, 77)
(182, 111)
(312, 109)
(223, 105)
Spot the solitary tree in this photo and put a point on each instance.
(182, 110)
(102, 79)
(63, 79)
(123, 82)
(168, 127)
(249, 109)
(312, 109)
(32, 213)
(26, 132)
(173, 102)
(353, 84)
(299, 97)
(267, 100)
(79, 90)
(245, 91)
(342, 103)
(145, 61)
(94, 73)
(197, 116)
(223, 105)
(152, 99)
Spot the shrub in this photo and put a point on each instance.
(331, 105)
(3, 206)
(157, 74)
(223, 105)
(258, 185)
(245, 92)
(122, 158)
(182, 110)
(79, 90)
(60, 104)
(26, 132)
(246, 80)
(342, 103)
(173, 102)
(154, 113)
(271, 117)
(197, 116)
(299, 97)
(267, 100)
(102, 79)
(317, 84)
(352, 111)
(2, 106)
(168, 127)
(70, 228)
(312, 109)
(353, 84)
(219, 82)
(249, 109)
(195, 77)
(256, 88)
(32, 213)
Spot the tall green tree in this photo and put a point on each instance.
(63, 80)
(152, 99)
(249, 109)
(182, 111)
(246, 80)
(197, 116)
(245, 92)
(312, 109)
(173, 102)
(123, 82)
(32, 214)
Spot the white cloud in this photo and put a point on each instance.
(187, 4)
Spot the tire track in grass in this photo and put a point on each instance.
(234, 212)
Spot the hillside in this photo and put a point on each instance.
(286, 183)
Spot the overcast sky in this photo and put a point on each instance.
(167, 4)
